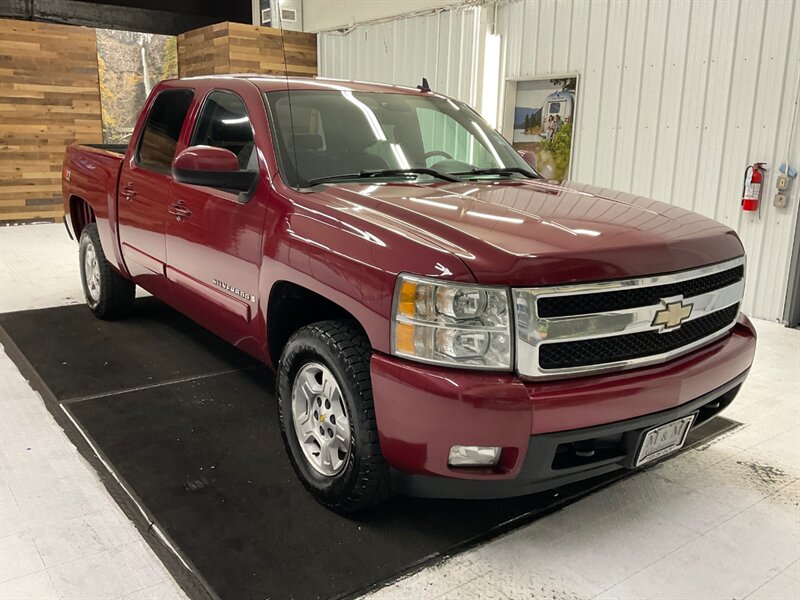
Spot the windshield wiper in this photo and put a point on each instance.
(501, 171)
(380, 173)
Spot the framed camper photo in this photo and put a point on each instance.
(539, 118)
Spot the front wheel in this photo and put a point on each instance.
(327, 416)
(108, 294)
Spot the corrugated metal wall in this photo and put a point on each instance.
(442, 47)
(675, 97)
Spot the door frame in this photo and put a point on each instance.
(791, 306)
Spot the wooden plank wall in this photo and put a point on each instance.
(49, 98)
(237, 48)
(204, 51)
(50, 95)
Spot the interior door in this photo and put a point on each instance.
(144, 189)
(214, 241)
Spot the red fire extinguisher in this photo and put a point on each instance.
(753, 180)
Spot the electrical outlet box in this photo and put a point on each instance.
(780, 200)
(783, 182)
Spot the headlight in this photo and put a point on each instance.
(453, 324)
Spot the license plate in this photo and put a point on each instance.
(664, 439)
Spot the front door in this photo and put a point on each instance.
(214, 241)
(143, 195)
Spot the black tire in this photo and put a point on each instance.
(342, 347)
(112, 295)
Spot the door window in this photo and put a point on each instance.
(224, 123)
(163, 128)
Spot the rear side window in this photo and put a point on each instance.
(163, 128)
(224, 123)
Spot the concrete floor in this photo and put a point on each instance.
(721, 521)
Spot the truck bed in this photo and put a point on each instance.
(91, 178)
(115, 148)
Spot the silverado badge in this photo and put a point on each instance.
(234, 290)
(672, 315)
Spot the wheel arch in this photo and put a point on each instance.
(81, 214)
(292, 306)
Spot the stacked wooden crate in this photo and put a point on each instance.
(237, 48)
(49, 98)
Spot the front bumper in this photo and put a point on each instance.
(551, 460)
(422, 411)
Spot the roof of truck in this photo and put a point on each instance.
(276, 83)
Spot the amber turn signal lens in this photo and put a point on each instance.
(408, 295)
(404, 337)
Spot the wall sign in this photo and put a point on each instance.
(543, 115)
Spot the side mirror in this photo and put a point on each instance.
(212, 167)
(529, 157)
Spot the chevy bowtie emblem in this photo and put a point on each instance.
(672, 315)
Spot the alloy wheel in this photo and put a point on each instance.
(91, 270)
(320, 419)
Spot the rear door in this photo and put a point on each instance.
(144, 188)
(214, 248)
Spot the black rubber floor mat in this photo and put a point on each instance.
(189, 425)
(79, 356)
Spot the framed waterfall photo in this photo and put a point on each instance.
(130, 64)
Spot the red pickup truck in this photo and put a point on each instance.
(442, 320)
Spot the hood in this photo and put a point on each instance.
(544, 233)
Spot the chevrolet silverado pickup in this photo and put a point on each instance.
(442, 320)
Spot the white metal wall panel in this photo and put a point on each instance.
(676, 97)
(442, 47)
(770, 242)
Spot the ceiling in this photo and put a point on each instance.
(150, 16)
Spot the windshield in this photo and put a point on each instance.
(341, 134)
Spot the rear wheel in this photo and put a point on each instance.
(108, 294)
(327, 416)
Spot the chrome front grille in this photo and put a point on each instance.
(589, 328)
(578, 304)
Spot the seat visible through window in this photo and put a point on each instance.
(224, 123)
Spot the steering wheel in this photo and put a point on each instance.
(433, 153)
